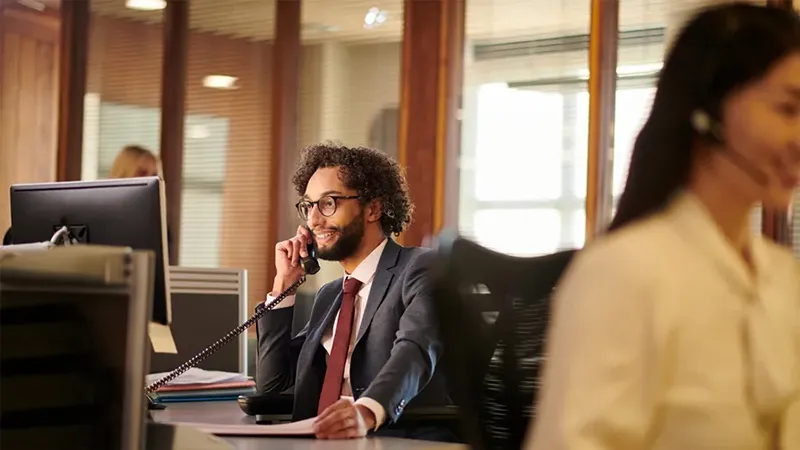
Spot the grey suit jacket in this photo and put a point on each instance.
(397, 346)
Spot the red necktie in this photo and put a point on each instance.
(334, 374)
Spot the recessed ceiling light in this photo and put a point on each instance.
(374, 17)
(220, 82)
(146, 5)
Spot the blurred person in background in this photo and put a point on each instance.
(135, 161)
(680, 329)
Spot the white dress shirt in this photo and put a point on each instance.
(663, 338)
(365, 273)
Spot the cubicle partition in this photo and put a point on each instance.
(73, 347)
(206, 305)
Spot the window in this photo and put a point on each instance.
(520, 180)
(530, 163)
(111, 126)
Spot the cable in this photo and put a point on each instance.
(233, 334)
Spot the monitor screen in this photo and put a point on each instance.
(126, 212)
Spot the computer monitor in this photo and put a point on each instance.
(126, 212)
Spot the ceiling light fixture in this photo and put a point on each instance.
(220, 82)
(146, 5)
(374, 17)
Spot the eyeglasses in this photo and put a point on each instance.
(325, 205)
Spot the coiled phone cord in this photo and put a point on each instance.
(233, 334)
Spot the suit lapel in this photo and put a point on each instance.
(383, 279)
(698, 228)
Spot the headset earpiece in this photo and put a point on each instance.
(701, 122)
(704, 125)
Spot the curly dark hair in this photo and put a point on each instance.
(372, 173)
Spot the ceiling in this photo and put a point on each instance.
(343, 20)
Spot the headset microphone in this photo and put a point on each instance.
(705, 125)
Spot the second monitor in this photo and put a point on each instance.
(121, 212)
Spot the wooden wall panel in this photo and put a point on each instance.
(72, 88)
(284, 130)
(173, 110)
(429, 136)
(28, 100)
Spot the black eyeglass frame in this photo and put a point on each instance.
(311, 205)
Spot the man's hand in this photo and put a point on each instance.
(344, 420)
(288, 254)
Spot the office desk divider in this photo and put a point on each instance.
(206, 304)
(73, 349)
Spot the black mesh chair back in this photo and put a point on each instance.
(493, 312)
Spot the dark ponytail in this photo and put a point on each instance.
(721, 50)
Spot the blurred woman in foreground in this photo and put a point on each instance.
(680, 329)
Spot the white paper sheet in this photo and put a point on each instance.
(200, 376)
(300, 428)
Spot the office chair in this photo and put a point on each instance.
(493, 312)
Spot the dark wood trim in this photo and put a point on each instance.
(429, 137)
(173, 109)
(777, 224)
(451, 117)
(284, 127)
(603, 38)
(73, 57)
(782, 4)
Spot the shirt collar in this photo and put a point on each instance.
(698, 226)
(367, 268)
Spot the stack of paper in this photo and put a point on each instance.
(301, 428)
(198, 385)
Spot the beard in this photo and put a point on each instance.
(346, 245)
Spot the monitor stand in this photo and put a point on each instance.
(152, 405)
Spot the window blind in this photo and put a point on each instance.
(203, 170)
(122, 108)
(226, 175)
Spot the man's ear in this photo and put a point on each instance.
(374, 211)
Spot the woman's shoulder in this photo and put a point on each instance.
(639, 244)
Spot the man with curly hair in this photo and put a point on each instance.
(371, 345)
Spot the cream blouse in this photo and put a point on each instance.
(663, 339)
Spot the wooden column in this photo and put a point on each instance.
(173, 108)
(603, 35)
(29, 86)
(777, 224)
(74, 49)
(429, 137)
(285, 97)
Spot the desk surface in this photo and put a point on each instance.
(229, 413)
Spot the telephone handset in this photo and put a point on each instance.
(310, 266)
(310, 263)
